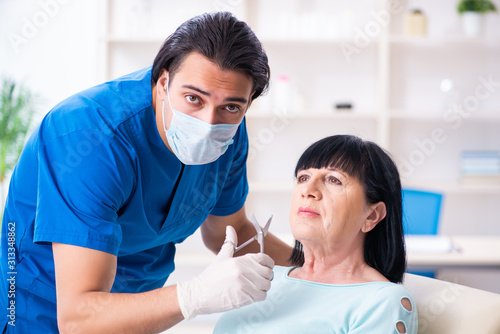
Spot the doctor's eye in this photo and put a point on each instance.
(192, 99)
(232, 108)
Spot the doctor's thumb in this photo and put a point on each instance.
(227, 249)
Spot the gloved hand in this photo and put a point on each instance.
(228, 282)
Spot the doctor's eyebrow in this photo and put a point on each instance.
(228, 99)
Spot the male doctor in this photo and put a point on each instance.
(116, 175)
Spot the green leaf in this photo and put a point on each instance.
(479, 6)
(16, 115)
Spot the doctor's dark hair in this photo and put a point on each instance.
(221, 38)
(384, 247)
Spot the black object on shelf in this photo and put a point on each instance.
(343, 106)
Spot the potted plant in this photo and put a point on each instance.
(472, 12)
(16, 114)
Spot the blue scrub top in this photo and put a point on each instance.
(96, 174)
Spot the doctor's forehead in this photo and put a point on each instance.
(201, 74)
(197, 64)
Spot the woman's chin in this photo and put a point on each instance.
(305, 236)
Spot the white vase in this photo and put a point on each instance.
(472, 24)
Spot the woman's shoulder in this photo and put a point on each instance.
(395, 289)
(389, 289)
(388, 293)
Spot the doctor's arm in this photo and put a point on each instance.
(85, 304)
(84, 278)
(213, 233)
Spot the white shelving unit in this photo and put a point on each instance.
(392, 82)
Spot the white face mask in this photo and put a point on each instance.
(193, 141)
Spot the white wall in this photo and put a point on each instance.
(50, 46)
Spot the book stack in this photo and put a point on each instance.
(480, 167)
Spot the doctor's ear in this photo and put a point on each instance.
(377, 212)
(250, 100)
(161, 84)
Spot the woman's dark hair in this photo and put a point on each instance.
(221, 38)
(384, 247)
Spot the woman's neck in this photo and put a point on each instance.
(336, 268)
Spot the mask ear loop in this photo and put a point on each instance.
(163, 105)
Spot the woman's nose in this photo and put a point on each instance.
(311, 190)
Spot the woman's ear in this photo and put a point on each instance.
(377, 212)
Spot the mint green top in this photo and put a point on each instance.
(299, 306)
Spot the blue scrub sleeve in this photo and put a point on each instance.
(84, 179)
(235, 189)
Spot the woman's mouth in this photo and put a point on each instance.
(305, 211)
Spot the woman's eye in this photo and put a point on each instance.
(302, 178)
(192, 99)
(232, 108)
(334, 180)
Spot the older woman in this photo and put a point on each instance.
(346, 217)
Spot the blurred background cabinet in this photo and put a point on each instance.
(426, 99)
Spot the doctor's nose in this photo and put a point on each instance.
(208, 115)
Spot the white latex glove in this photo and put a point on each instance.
(227, 283)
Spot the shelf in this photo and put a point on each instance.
(415, 115)
(132, 40)
(454, 187)
(312, 42)
(440, 41)
(334, 115)
(265, 42)
(437, 115)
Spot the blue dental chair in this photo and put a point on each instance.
(421, 211)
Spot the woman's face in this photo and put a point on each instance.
(328, 208)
